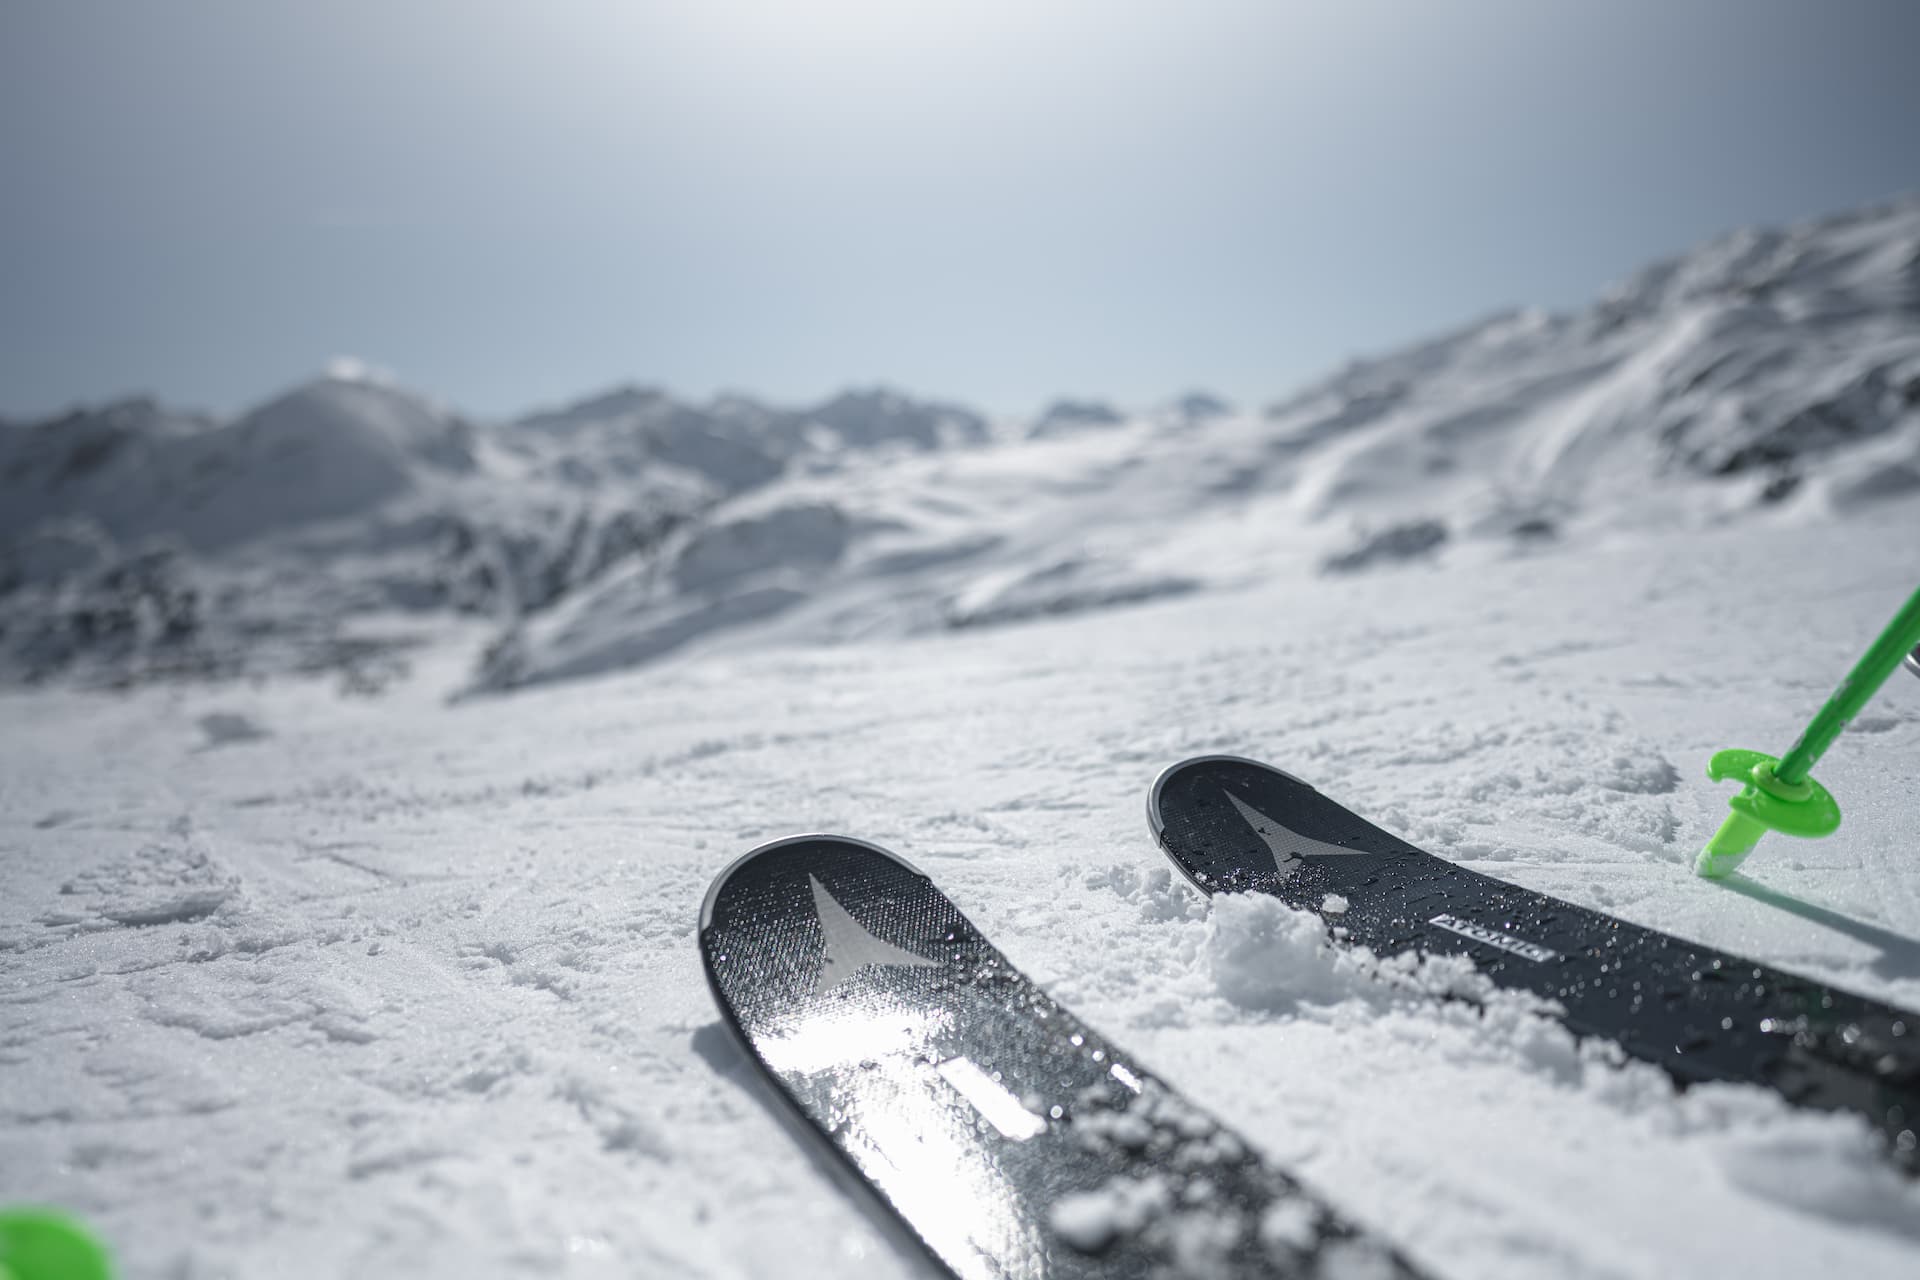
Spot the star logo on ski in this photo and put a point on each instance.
(850, 948)
(1289, 848)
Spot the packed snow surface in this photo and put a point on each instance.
(299, 984)
(298, 980)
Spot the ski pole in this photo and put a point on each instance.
(1781, 795)
(45, 1244)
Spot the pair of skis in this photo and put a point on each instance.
(1014, 1141)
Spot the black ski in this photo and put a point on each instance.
(1012, 1140)
(1233, 825)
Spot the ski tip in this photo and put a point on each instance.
(796, 852)
(817, 926)
(1156, 810)
(45, 1244)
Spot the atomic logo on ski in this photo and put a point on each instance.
(850, 948)
(1494, 938)
(1288, 847)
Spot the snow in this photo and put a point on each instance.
(311, 980)
(1091, 1221)
(413, 983)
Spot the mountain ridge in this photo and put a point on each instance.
(1768, 374)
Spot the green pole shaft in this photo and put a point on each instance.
(1868, 674)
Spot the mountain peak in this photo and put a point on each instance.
(1067, 414)
(623, 401)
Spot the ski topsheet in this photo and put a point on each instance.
(1234, 825)
(1009, 1137)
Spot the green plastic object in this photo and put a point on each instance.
(1781, 795)
(44, 1244)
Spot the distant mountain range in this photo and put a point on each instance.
(1767, 375)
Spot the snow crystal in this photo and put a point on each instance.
(1264, 955)
(1128, 1129)
(158, 884)
(1160, 895)
(1821, 1168)
(1091, 1220)
(1290, 1225)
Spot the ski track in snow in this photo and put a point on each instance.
(297, 984)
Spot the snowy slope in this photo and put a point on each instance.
(306, 986)
(311, 985)
(1760, 360)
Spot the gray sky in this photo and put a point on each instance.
(996, 200)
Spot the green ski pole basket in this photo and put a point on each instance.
(1781, 794)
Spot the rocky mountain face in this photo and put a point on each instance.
(136, 541)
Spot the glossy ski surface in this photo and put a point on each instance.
(1236, 825)
(1012, 1140)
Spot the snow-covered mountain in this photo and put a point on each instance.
(316, 530)
(1768, 375)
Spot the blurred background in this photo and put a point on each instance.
(531, 290)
